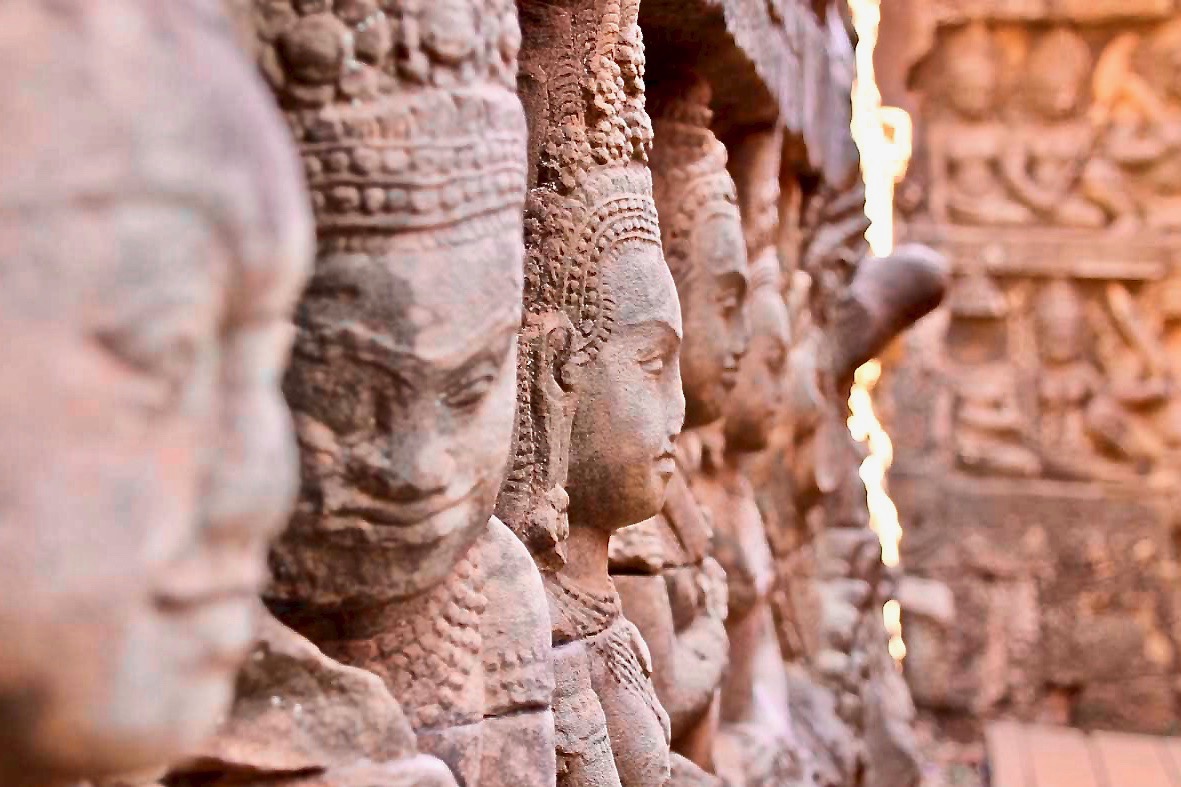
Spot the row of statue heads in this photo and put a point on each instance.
(407, 398)
(1054, 127)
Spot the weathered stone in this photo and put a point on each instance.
(393, 562)
(154, 239)
(599, 404)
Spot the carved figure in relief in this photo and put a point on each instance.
(671, 586)
(414, 146)
(1163, 356)
(1084, 430)
(1050, 161)
(786, 480)
(599, 388)
(1136, 83)
(968, 145)
(990, 434)
(871, 728)
(755, 742)
(154, 241)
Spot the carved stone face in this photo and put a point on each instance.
(154, 239)
(972, 85)
(1061, 324)
(759, 396)
(716, 331)
(631, 407)
(403, 384)
(1059, 74)
(150, 460)
(1056, 98)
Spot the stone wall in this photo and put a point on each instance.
(484, 487)
(1036, 415)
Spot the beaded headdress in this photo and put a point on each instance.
(689, 170)
(404, 112)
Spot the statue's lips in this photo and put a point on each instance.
(421, 522)
(729, 377)
(219, 622)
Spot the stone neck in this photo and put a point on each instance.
(587, 551)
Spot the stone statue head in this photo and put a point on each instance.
(970, 66)
(403, 373)
(761, 392)
(1061, 322)
(600, 402)
(705, 247)
(1058, 73)
(155, 239)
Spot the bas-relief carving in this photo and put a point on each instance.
(1087, 148)
(599, 387)
(1041, 126)
(670, 584)
(413, 144)
(791, 476)
(756, 741)
(990, 432)
(1051, 370)
(1071, 380)
(832, 586)
(154, 243)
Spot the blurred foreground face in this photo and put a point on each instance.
(153, 241)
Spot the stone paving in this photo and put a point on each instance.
(1031, 755)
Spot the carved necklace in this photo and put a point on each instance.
(589, 614)
(586, 611)
(430, 654)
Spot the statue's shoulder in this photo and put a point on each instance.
(515, 625)
(296, 710)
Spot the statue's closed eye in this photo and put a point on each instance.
(163, 354)
(469, 392)
(653, 365)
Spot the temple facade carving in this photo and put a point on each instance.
(507, 440)
(1040, 401)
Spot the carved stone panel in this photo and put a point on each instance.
(1041, 407)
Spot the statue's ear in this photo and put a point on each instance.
(571, 372)
(551, 341)
(533, 501)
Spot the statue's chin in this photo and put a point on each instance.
(135, 734)
(379, 567)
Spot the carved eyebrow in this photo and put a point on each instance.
(491, 354)
(660, 331)
(373, 347)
